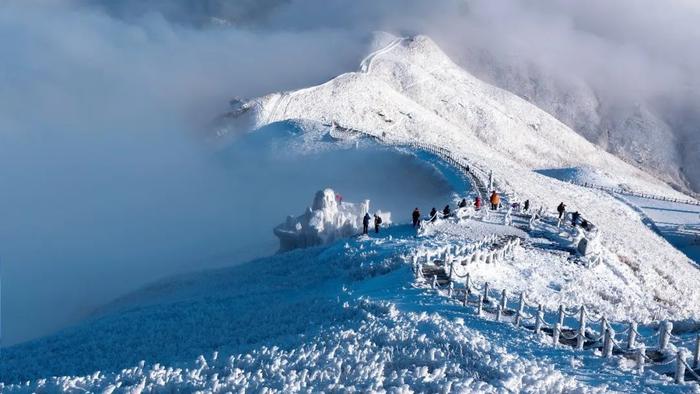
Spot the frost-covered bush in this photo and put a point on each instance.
(327, 220)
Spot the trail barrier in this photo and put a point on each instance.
(617, 190)
(663, 351)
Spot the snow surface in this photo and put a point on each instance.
(581, 175)
(679, 223)
(409, 90)
(345, 317)
(350, 316)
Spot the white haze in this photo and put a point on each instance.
(624, 74)
(104, 186)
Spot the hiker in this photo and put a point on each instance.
(433, 214)
(561, 208)
(526, 206)
(588, 226)
(495, 200)
(446, 211)
(477, 203)
(377, 222)
(574, 218)
(463, 203)
(416, 217)
(365, 223)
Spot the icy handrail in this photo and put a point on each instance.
(633, 345)
(689, 368)
(636, 194)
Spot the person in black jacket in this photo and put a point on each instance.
(433, 214)
(446, 211)
(463, 203)
(561, 209)
(416, 217)
(377, 222)
(526, 206)
(365, 223)
(574, 218)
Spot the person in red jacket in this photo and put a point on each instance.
(477, 202)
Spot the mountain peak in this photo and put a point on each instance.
(407, 88)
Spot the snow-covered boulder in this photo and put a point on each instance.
(326, 220)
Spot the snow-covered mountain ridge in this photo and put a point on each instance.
(351, 316)
(409, 89)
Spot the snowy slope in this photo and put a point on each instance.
(408, 90)
(676, 221)
(338, 318)
(347, 317)
(635, 132)
(350, 316)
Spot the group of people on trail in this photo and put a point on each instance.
(561, 210)
(495, 201)
(576, 218)
(447, 211)
(365, 223)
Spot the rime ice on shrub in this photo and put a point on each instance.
(324, 222)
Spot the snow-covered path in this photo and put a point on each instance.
(366, 63)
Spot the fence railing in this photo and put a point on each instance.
(636, 194)
(651, 350)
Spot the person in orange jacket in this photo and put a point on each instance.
(495, 200)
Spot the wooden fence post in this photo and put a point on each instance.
(665, 328)
(450, 260)
(539, 319)
(499, 312)
(556, 333)
(521, 308)
(604, 324)
(608, 342)
(467, 285)
(680, 366)
(696, 355)
(504, 299)
(434, 284)
(486, 291)
(480, 305)
(632, 335)
(641, 355)
(560, 317)
(581, 337)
